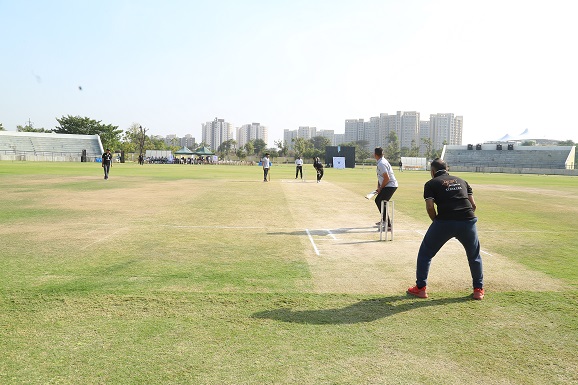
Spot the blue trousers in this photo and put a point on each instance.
(438, 234)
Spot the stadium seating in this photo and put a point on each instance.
(543, 157)
(47, 146)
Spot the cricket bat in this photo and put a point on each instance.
(371, 194)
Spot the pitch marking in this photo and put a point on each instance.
(312, 242)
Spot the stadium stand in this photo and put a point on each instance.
(32, 146)
(510, 158)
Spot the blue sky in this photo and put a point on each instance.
(506, 66)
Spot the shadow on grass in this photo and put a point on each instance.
(362, 311)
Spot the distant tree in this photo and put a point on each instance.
(2, 128)
(529, 143)
(109, 134)
(310, 153)
(300, 146)
(129, 139)
(28, 128)
(428, 147)
(135, 140)
(437, 153)
(241, 154)
(282, 146)
(273, 152)
(260, 146)
(414, 150)
(563, 143)
(362, 151)
(227, 147)
(320, 143)
(249, 148)
(158, 143)
(392, 151)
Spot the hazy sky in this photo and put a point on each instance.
(169, 65)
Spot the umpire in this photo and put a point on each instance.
(454, 218)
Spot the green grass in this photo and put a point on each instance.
(531, 218)
(152, 302)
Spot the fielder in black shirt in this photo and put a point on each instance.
(106, 162)
(319, 168)
(455, 217)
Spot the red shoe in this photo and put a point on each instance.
(421, 293)
(478, 293)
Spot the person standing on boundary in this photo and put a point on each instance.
(455, 217)
(400, 166)
(319, 168)
(266, 165)
(386, 183)
(298, 167)
(106, 162)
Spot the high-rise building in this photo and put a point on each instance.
(171, 140)
(446, 128)
(409, 130)
(339, 139)
(389, 124)
(371, 134)
(216, 132)
(289, 136)
(424, 133)
(353, 128)
(188, 141)
(249, 132)
(304, 132)
(329, 134)
(456, 136)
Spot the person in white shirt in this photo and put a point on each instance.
(386, 182)
(266, 165)
(298, 167)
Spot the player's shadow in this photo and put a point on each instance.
(363, 311)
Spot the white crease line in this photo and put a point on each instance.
(312, 242)
(103, 238)
(331, 234)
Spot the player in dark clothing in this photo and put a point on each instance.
(454, 218)
(319, 168)
(106, 162)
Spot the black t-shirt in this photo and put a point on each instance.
(450, 194)
(106, 158)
